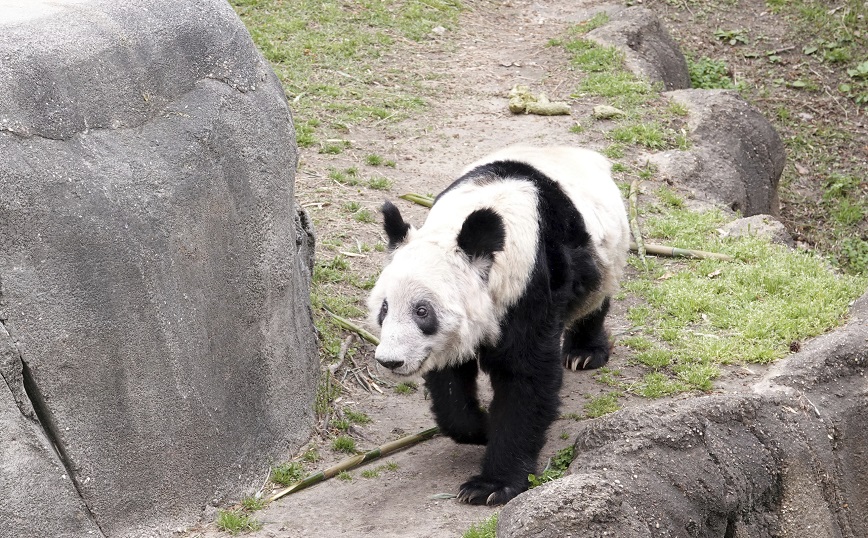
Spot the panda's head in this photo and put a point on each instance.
(431, 302)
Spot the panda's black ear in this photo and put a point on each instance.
(394, 225)
(482, 234)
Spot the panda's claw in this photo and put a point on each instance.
(587, 359)
(480, 491)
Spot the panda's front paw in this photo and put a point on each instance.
(480, 490)
(586, 359)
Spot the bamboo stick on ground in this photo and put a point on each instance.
(355, 461)
(633, 211)
(350, 326)
(674, 252)
(420, 199)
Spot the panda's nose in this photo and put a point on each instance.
(390, 364)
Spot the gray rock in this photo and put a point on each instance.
(648, 49)
(736, 156)
(154, 267)
(765, 226)
(607, 112)
(787, 459)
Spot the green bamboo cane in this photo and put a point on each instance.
(355, 461)
(420, 199)
(633, 210)
(674, 252)
(350, 326)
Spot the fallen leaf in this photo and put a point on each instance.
(715, 273)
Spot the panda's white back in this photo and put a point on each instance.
(585, 176)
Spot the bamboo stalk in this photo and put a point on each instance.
(420, 199)
(350, 326)
(665, 250)
(355, 461)
(633, 210)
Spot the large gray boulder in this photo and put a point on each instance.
(648, 49)
(786, 459)
(156, 340)
(736, 157)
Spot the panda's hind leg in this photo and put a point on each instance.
(455, 403)
(586, 343)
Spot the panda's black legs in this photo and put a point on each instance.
(456, 405)
(586, 343)
(524, 406)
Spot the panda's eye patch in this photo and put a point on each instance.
(384, 309)
(425, 317)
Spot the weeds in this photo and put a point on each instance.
(558, 465)
(343, 443)
(287, 474)
(407, 387)
(234, 521)
(486, 529)
(602, 405)
(699, 315)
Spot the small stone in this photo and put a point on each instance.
(606, 112)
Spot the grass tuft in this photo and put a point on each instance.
(603, 405)
(559, 464)
(287, 473)
(235, 521)
(343, 443)
(486, 529)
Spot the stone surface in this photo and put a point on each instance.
(765, 226)
(648, 49)
(154, 267)
(788, 459)
(607, 112)
(736, 156)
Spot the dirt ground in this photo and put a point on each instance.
(498, 45)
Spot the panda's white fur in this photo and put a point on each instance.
(470, 301)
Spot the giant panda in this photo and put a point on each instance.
(512, 273)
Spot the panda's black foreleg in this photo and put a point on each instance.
(524, 406)
(586, 342)
(455, 404)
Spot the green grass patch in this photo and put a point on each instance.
(380, 183)
(251, 503)
(486, 529)
(603, 405)
(407, 387)
(608, 376)
(287, 473)
(649, 135)
(376, 471)
(311, 455)
(344, 443)
(556, 468)
(365, 216)
(356, 417)
(327, 54)
(699, 315)
(345, 476)
(235, 521)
